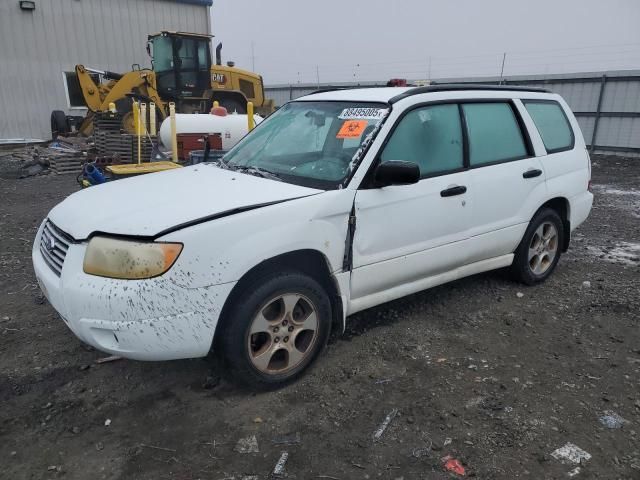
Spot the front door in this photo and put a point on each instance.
(406, 233)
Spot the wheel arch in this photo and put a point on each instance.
(562, 206)
(308, 261)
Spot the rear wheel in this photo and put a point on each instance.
(539, 251)
(233, 106)
(234, 102)
(275, 329)
(59, 125)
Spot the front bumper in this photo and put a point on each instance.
(152, 319)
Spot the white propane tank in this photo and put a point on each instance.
(231, 127)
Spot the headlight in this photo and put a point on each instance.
(129, 259)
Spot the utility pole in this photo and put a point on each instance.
(504, 56)
(318, 76)
(429, 71)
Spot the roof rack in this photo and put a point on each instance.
(444, 87)
(328, 89)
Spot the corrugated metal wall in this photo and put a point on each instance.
(609, 99)
(608, 102)
(36, 47)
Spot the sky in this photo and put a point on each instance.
(300, 41)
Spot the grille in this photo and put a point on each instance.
(54, 244)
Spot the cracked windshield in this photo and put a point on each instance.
(308, 143)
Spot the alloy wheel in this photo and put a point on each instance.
(543, 248)
(282, 333)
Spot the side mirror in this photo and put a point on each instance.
(397, 172)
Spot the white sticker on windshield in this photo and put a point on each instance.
(364, 113)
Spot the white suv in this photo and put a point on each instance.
(339, 201)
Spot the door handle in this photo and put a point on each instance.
(532, 173)
(452, 191)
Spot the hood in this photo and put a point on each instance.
(150, 204)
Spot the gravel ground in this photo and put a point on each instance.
(490, 373)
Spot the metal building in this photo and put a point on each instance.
(606, 104)
(41, 41)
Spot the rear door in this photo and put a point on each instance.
(507, 179)
(566, 164)
(405, 233)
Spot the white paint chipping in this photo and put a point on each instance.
(385, 423)
(247, 445)
(570, 453)
(574, 472)
(278, 470)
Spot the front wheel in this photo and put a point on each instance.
(275, 329)
(539, 251)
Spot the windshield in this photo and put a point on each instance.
(309, 143)
(162, 53)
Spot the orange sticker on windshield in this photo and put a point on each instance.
(352, 129)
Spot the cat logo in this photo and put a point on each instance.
(218, 78)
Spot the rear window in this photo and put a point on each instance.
(552, 123)
(494, 133)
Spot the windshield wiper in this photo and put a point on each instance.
(257, 171)
(219, 162)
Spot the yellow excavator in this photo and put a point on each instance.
(181, 72)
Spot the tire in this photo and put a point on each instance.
(59, 124)
(539, 251)
(233, 105)
(279, 309)
(233, 101)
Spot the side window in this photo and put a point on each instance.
(247, 88)
(494, 133)
(552, 124)
(430, 137)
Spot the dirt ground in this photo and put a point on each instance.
(494, 374)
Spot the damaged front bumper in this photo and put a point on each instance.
(152, 319)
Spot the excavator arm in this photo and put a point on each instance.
(91, 91)
(116, 86)
(138, 82)
(119, 89)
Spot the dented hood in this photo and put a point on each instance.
(151, 204)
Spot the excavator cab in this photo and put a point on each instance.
(182, 64)
(182, 72)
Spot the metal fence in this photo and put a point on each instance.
(606, 104)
